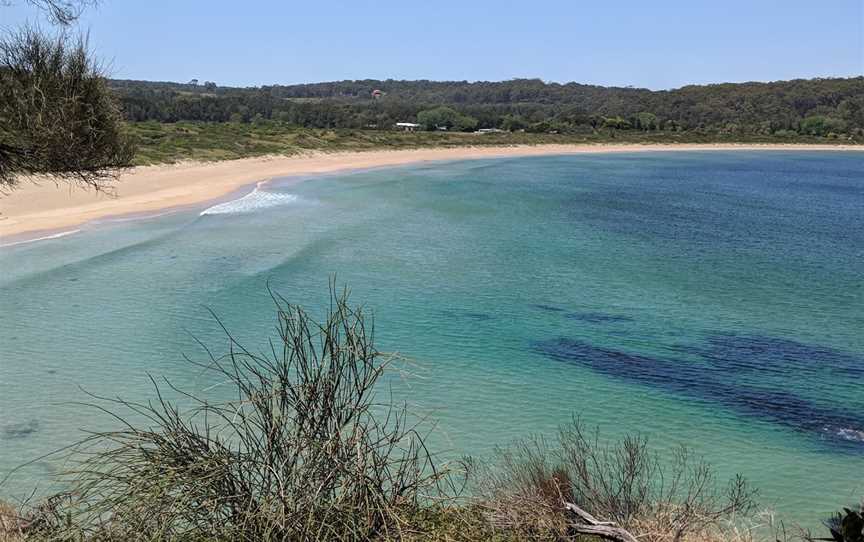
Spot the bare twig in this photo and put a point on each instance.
(588, 524)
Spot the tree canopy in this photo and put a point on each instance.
(530, 104)
(445, 118)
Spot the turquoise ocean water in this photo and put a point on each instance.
(711, 298)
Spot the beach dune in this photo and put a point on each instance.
(39, 207)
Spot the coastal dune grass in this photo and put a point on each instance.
(655, 498)
(311, 448)
(158, 143)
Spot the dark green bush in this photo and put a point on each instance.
(57, 115)
(846, 526)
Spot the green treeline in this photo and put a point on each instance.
(816, 107)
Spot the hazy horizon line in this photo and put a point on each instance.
(476, 81)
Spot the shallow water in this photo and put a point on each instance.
(711, 298)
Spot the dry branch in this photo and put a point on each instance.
(589, 525)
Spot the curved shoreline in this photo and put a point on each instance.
(39, 209)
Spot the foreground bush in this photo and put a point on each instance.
(58, 118)
(625, 483)
(846, 526)
(304, 452)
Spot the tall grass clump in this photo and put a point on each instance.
(624, 483)
(304, 451)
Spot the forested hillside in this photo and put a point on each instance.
(816, 107)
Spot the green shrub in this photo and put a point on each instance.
(305, 452)
(846, 526)
(58, 118)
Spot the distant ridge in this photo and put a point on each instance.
(364, 87)
(836, 104)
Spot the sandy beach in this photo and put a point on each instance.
(39, 208)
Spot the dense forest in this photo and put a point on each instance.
(815, 107)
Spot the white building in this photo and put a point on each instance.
(407, 126)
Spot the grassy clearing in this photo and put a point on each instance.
(167, 143)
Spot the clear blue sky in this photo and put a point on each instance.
(655, 44)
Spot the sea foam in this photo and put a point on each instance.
(44, 238)
(251, 202)
(845, 433)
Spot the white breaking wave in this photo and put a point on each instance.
(850, 434)
(45, 238)
(251, 202)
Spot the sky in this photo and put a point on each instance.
(656, 44)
